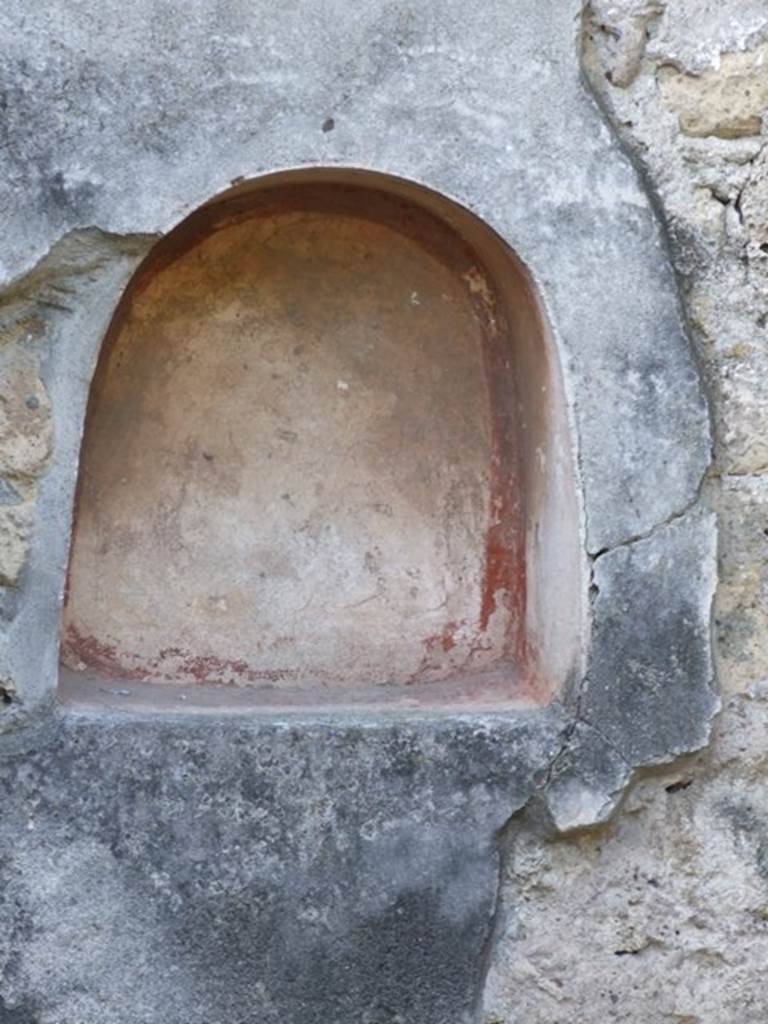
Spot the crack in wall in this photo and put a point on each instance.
(673, 517)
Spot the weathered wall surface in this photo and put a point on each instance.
(662, 916)
(115, 131)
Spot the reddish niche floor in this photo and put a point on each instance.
(299, 472)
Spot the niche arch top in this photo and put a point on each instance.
(326, 461)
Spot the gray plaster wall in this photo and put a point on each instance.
(215, 870)
(174, 867)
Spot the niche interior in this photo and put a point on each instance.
(326, 460)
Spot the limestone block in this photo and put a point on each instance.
(728, 101)
(15, 526)
(741, 607)
(25, 421)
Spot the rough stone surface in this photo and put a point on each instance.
(728, 102)
(25, 423)
(657, 918)
(15, 525)
(26, 440)
(624, 27)
(742, 592)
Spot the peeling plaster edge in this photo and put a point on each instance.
(501, 846)
(56, 261)
(75, 264)
(658, 212)
(608, 799)
(538, 807)
(539, 803)
(697, 501)
(36, 262)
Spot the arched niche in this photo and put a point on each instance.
(327, 460)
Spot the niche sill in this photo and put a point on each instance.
(496, 691)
